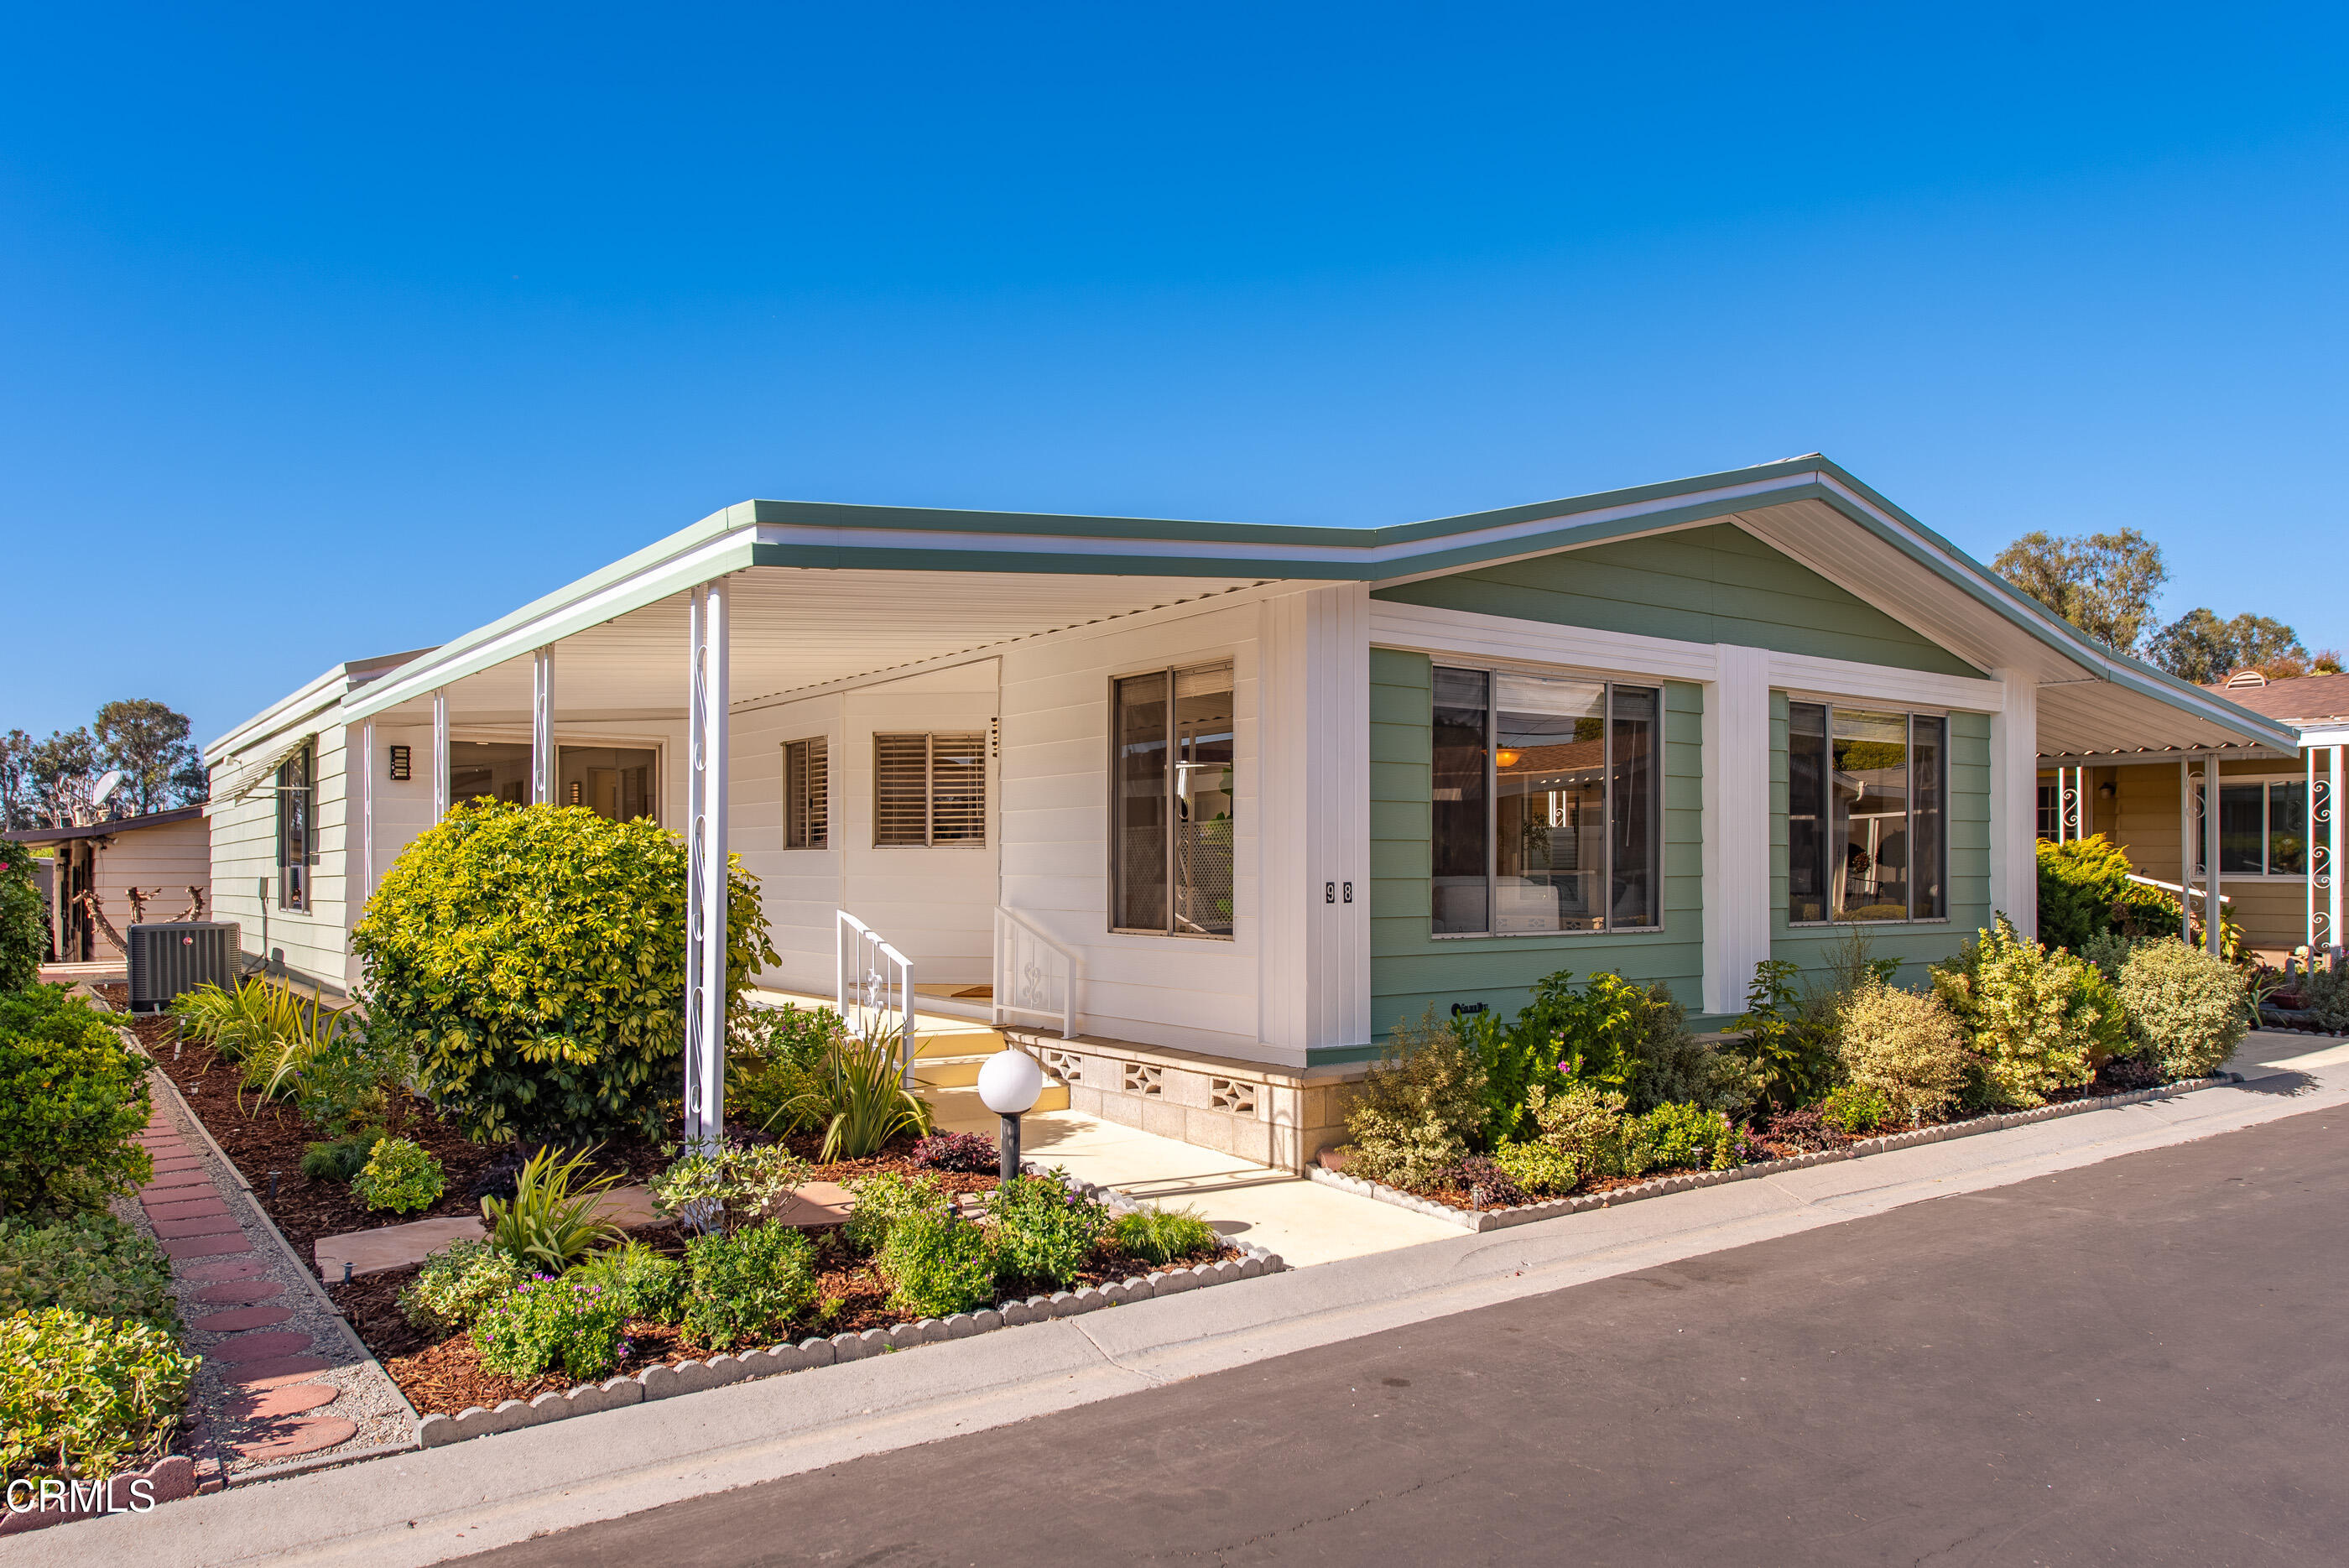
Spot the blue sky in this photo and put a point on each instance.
(326, 334)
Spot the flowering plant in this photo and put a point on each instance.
(548, 1323)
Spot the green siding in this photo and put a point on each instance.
(1411, 971)
(1712, 584)
(1916, 945)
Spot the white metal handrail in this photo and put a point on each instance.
(2174, 887)
(1034, 975)
(875, 988)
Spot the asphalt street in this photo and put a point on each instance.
(2135, 1361)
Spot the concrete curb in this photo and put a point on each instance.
(670, 1380)
(1481, 1220)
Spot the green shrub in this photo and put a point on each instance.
(770, 1062)
(1420, 1107)
(647, 1285)
(1906, 1050)
(72, 1098)
(1673, 1137)
(855, 1092)
(1538, 1165)
(544, 1323)
(400, 1176)
(748, 1286)
(1856, 1110)
(340, 1158)
(2325, 993)
(93, 1265)
(457, 1282)
(1164, 1235)
(553, 1220)
(24, 935)
(1791, 1045)
(885, 1198)
(729, 1188)
(936, 1265)
(86, 1397)
(2187, 1010)
(1044, 1231)
(533, 957)
(2039, 1021)
(1587, 1124)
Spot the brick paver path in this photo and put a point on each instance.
(267, 1365)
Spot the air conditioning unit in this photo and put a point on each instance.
(170, 958)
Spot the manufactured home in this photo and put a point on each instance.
(1203, 809)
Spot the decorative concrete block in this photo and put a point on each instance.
(904, 1337)
(933, 1330)
(961, 1326)
(510, 1414)
(877, 1340)
(1251, 1268)
(619, 1391)
(846, 1347)
(1066, 1304)
(1089, 1298)
(659, 1382)
(1017, 1314)
(434, 1431)
(543, 1406)
(1273, 1265)
(985, 1320)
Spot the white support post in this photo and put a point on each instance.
(439, 753)
(2185, 850)
(2333, 938)
(542, 727)
(2014, 803)
(2211, 879)
(706, 868)
(1736, 798)
(367, 811)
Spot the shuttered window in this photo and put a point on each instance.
(929, 790)
(807, 794)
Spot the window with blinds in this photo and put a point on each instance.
(929, 790)
(807, 792)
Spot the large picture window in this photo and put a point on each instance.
(297, 826)
(1174, 810)
(1867, 794)
(2262, 830)
(929, 790)
(1547, 812)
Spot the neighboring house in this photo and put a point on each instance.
(1256, 794)
(166, 855)
(2277, 834)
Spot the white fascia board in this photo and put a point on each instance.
(1501, 639)
(648, 584)
(296, 707)
(1841, 680)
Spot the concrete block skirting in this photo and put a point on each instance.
(693, 1377)
(1526, 1214)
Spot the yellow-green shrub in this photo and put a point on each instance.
(1905, 1047)
(534, 957)
(83, 1396)
(2040, 1021)
(2186, 1009)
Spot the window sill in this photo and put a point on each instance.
(1541, 936)
(1170, 936)
(1849, 925)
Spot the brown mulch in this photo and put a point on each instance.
(447, 1377)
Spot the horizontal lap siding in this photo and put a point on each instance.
(1916, 946)
(1714, 583)
(1410, 970)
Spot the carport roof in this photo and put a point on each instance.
(829, 592)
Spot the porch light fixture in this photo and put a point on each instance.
(401, 766)
(1009, 1084)
(1505, 757)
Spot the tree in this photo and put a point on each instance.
(2199, 647)
(2102, 583)
(16, 783)
(62, 771)
(148, 742)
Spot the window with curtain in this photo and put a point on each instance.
(1545, 809)
(929, 790)
(2262, 829)
(1173, 807)
(297, 817)
(1867, 811)
(807, 783)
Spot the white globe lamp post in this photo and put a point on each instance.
(1008, 1085)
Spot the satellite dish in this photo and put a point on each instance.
(108, 783)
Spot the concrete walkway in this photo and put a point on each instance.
(429, 1506)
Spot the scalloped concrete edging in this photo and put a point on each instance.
(670, 1380)
(1527, 1213)
(168, 1479)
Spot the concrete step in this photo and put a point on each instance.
(961, 1110)
(951, 1072)
(946, 1037)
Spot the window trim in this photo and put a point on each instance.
(2267, 782)
(930, 786)
(307, 753)
(1492, 670)
(1912, 714)
(818, 746)
(1110, 838)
